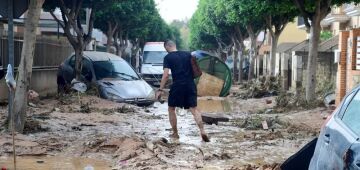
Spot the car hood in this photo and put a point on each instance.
(126, 89)
(152, 69)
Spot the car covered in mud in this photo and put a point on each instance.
(338, 145)
(113, 77)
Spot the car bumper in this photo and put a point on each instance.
(139, 102)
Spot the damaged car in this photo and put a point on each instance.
(338, 145)
(113, 77)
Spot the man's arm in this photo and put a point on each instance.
(164, 79)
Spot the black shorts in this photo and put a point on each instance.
(183, 96)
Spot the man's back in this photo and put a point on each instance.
(179, 62)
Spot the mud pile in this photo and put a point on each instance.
(261, 87)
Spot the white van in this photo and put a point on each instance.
(152, 62)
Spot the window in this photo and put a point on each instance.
(72, 62)
(351, 115)
(114, 69)
(86, 70)
(346, 102)
(357, 62)
(154, 57)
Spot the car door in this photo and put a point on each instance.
(351, 118)
(336, 138)
(68, 69)
(87, 72)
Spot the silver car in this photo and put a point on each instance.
(338, 145)
(114, 78)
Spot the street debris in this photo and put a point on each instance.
(85, 107)
(33, 96)
(329, 99)
(211, 118)
(265, 125)
(258, 88)
(130, 137)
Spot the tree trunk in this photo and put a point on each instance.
(312, 60)
(71, 21)
(135, 53)
(274, 43)
(116, 43)
(25, 67)
(241, 59)
(78, 63)
(109, 39)
(253, 54)
(235, 62)
(110, 35)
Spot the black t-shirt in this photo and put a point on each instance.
(179, 62)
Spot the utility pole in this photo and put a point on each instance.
(11, 48)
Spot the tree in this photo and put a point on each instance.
(206, 33)
(26, 62)
(242, 14)
(277, 14)
(72, 26)
(183, 27)
(176, 36)
(237, 34)
(313, 12)
(107, 20)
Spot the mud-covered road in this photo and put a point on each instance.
(65, 134)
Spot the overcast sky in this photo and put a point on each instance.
(176, 9)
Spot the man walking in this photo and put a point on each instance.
(183, 92)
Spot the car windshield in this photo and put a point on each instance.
(114, 69)
(154, 57)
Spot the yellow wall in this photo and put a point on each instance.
(292, 34)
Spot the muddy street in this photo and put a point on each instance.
(67, 134)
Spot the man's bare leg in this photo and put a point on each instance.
(173, 122)
(198, 120)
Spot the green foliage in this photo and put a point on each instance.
(325, 35)
(183, 28)
(208, 29)
(199, 37)
(138, 19)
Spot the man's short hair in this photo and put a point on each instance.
(169, 43)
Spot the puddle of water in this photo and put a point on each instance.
(214, 106)
(49, 163)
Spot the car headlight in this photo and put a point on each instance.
(114, 97)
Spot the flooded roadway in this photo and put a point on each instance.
(119, 139)
(54, 163)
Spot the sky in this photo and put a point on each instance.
(176, 9)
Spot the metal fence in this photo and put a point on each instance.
(49, 51)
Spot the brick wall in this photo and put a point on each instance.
(341, 74)
(347, 77)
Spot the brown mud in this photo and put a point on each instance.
(67, 134)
